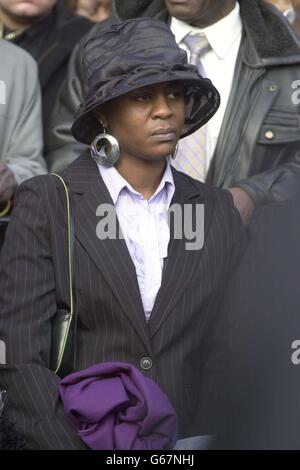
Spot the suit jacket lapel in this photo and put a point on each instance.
(181, 263)
(111, 257)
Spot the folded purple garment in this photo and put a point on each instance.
(113, 406)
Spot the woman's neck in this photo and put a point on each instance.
(12, 23)
(143, 175)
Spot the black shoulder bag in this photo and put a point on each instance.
(63, 324)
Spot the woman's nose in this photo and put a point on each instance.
(161, 107)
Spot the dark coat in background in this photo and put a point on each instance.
(259, 143)
(185, 337)
(51, 42)
(262, 407)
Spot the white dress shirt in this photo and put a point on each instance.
(144, 225)
(224, 37)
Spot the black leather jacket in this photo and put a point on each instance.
(258, 148)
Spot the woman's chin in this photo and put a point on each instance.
(162, 151)
(155, 153)
(156, 157)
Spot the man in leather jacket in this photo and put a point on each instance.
(257, 154)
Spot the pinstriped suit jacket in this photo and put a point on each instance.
(186, 334)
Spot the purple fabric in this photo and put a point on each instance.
(113, 406)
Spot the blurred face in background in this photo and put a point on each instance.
(95, 10)
(201, 13)
(26, 11)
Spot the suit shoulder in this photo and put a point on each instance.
(42, 195)
(204, 188)
(40, 184)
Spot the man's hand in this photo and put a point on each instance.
(243, 203)
(8, 183)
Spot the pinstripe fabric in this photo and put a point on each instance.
(185, 336)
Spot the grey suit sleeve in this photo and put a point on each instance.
(61, 147)
(27, 304)
(23, 140)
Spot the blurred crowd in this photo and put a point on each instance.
(50, 31)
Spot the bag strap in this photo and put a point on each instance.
(68, 341)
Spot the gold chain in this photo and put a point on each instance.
(9, 36)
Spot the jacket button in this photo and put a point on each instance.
(269, 135)
(146, 363)
(272, 87)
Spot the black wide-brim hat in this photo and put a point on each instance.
(134, 54)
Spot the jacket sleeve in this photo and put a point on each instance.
(61, 147)
(24, 150)
(27, 304)
(275, 185)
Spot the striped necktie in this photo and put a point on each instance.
(191, 153)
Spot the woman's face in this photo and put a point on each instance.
(148, 121)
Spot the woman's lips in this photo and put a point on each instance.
(164, 135)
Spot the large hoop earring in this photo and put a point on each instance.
(105, 149)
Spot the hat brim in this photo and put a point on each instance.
(203, 100)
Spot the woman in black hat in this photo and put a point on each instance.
(142, 288)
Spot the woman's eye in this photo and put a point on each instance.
(143, 97)
(175, 94)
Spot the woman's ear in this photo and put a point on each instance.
(101, 117)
